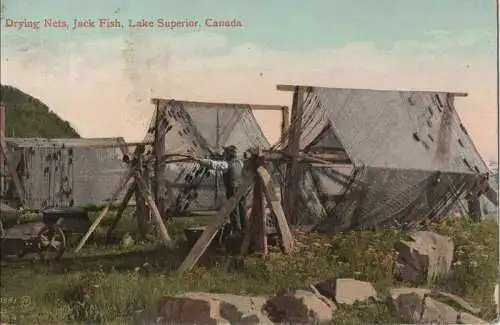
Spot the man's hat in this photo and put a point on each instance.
(230, 148)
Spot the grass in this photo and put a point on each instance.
(110, 284)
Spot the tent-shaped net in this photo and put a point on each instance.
(202, 130)
(410, 159)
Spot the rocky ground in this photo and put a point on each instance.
(426, 255)
(445, 275)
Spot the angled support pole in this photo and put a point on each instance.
(121, 209)
(126, 177)
(277, 209)
(208, 235)
(145, 193)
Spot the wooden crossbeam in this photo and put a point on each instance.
(293, 87)
(261, 107)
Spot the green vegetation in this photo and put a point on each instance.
(28, 117)
(110, 284)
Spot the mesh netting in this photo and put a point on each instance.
(202, 130)
(63, 172)
(411, 159)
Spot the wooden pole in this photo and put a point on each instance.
(159, 149)
(120, 211)
(293, 151)
(258, 209)
(154, 209)
(285, 123)
(285, 233)
(142, 211)
(105, 210)
(206, 238)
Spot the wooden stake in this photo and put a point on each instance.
(159, 162)
(142, 212)
(259, 216)
(12, 170)
(286, 234)
(293, 147)
(152, 205)
(206, 238)
(245, 243)
(120, 211)
(105, 210)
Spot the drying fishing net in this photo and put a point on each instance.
(201, 130)
(64, 172)
(411, 159)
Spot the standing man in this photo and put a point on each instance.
(231, 169)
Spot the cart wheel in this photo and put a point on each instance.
(51, 243)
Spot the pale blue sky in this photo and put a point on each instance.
(283, 24)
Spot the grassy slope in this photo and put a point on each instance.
(108, 284)
(28, 117)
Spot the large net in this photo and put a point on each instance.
(411, 159)
(65, 172)
(202, 130)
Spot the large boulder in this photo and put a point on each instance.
(185, 310)
(236, 309)
(428, 255)
(420, 305)
(347, 291)
(301, 307)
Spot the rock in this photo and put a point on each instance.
(438, 312)
(409, 302)
(177, 310)
(287, 309)
(236, 309)
(346, 291)
(429, 255)
(466, 318)
(458, 300)
(320, 310)
(417, 305)
(302, 307)
(127, 240)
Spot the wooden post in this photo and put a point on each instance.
(142, 211)
(285, 233)
(105, 210)
(208, 235)
(258, 210)
(154, 209)
(159, 149)
(293, 151)
(285, 123)
(120, 211)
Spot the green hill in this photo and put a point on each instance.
(28, 117)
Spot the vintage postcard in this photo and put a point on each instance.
(229, 162)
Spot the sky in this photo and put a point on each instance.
(101, 79)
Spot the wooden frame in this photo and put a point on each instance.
(256, 173)
(159, 185)
(293, 145)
